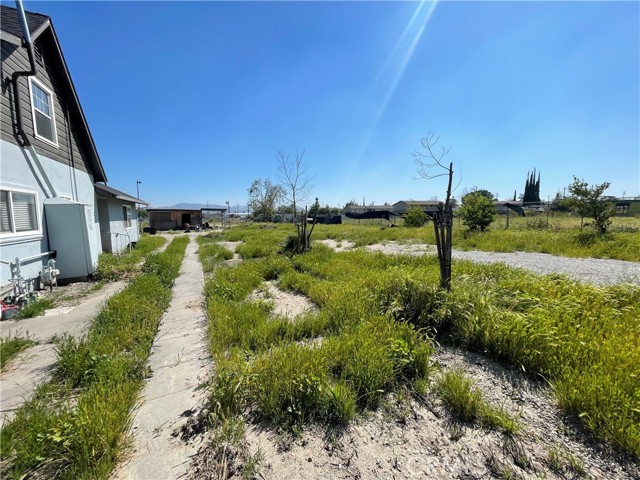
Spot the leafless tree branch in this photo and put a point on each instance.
(293, 177)
(427, 159)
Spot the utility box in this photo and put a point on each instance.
(71, 231)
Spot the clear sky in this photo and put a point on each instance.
(194, 99)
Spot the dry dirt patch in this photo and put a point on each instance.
(409, 438)
(286, 304)
(338, 246)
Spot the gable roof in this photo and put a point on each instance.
(117, 194)
(11, 22)
(40, 26)
(420, 203)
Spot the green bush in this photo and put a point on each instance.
(477, 211)
(415, 217)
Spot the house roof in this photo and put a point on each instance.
(11, 22)
(422, 203)
(40, 26)
(117, 194)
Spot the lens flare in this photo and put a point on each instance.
(400, 55)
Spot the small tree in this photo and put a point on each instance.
(314, 209)
(415, 217)
(431, 165)
(477, 211)
(264, 198)
(586, 202)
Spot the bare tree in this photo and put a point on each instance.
(431, 165)
(293, 177)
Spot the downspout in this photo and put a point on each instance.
(74, 181)
(26, 42)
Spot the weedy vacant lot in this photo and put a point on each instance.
(557, 235)
(373, 335)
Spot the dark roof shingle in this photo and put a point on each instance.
(10, 23)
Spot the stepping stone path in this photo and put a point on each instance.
(179, 363)
(33, 365)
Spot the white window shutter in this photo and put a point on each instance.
(24, 212)
(5, 224)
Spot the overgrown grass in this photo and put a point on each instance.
(319, 368)
(75, 425)
(468, 404)
(11, 346)
(584, 339)
(210, 253)
(35, 308)
(529, 234)
(112, 267)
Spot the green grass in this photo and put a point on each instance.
(210, 253)
(12, 346)
(112, 267)
(35, 308)
(318, 368)
(74, 427)
(468, 404)
(563, 237)
(584, 339)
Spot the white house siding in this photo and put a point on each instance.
(23, 168)
(120, 235)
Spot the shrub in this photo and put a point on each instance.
(477, 211)
(415, 217)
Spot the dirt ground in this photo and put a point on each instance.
(411, 437)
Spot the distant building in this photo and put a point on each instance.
(173, 219)
(627, 207)
(427, 206)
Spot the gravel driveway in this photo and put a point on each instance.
(592, 270)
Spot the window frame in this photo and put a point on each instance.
(52, 117)
(127, 214)
(29, 233)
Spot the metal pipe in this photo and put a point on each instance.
(28, 259)
(26, 40)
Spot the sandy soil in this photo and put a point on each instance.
(410, 437)
(340, 246)
(284, 303)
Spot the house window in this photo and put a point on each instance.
(43, 115)
(18, 213)
(126, 215)
(622, 208)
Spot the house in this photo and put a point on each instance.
(117, 213)
(627, 206)
(427, 206)
(51, 176)
(360, 209)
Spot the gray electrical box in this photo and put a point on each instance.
(71, 230)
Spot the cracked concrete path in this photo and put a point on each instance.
(180, 362)
(33, 366)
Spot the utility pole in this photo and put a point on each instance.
(138, 182)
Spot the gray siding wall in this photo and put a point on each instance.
(118, 237)
(19, 170)
(69, 149)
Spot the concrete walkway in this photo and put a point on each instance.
(180, 362)
(33, 366)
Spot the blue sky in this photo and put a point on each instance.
(195, 98)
